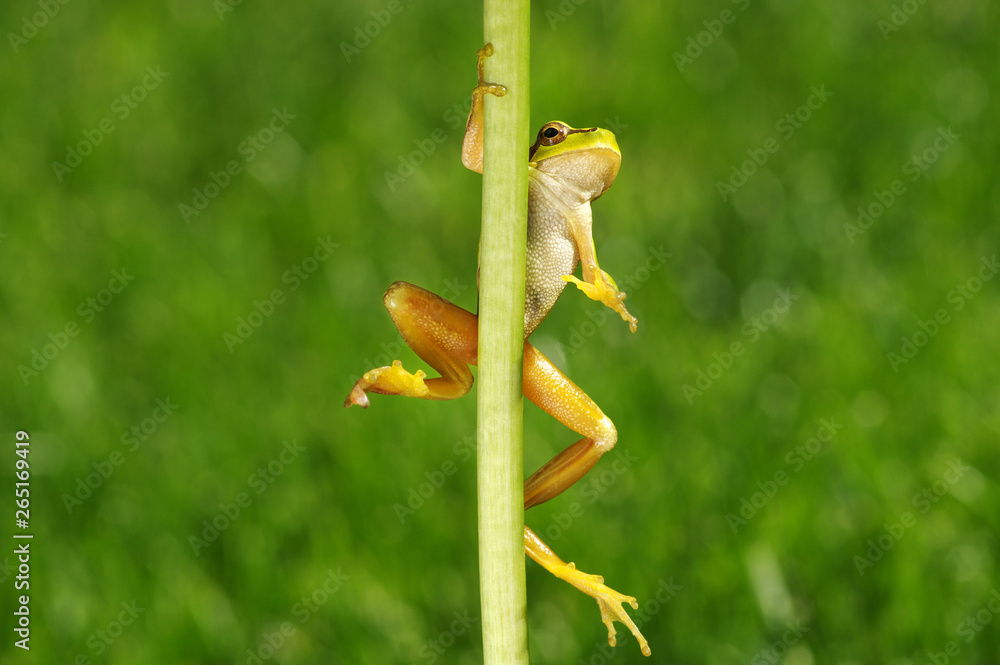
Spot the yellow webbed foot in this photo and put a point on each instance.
(603, 289)
(608, 600)
(392, 380)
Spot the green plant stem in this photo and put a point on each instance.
(501, 338)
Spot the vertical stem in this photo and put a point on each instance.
(501, 338)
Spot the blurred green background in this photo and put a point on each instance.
(158, 406)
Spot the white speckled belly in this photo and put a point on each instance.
(551, 253)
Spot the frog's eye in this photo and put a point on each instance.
(549, 135)
(552, 133)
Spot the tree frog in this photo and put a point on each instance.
(567, 169)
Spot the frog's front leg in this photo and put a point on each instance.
(554, 392)
(472, 142)
(597, 284)
(443, 334)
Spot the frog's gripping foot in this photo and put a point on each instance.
(392, 380)
(608, 600)
(604, 290)
(483, 87)
(472, 142)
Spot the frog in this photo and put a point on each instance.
(568, 169)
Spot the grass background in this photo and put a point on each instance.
(334, 506)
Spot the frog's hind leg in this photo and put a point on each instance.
(550, 389)
(441, 333)
(557, 395)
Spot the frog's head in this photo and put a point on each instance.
(586, 158)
